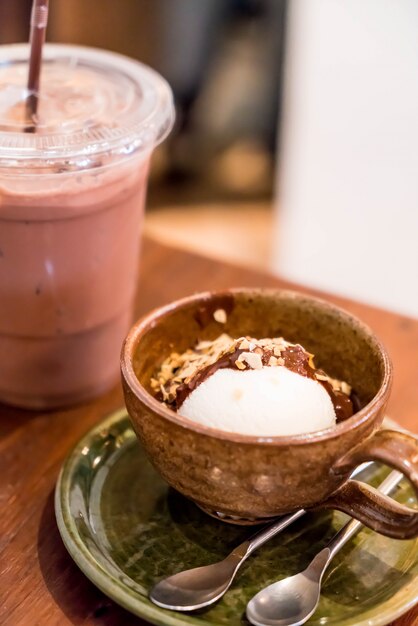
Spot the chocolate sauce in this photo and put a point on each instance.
(343, 405)
(225, 361)
(295, 358)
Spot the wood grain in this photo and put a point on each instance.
(39, 583)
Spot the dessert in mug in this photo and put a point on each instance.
(265, 387)
(234, 473)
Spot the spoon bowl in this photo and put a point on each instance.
(292, 600)
(196, 588)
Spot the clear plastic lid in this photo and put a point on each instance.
(94, 107)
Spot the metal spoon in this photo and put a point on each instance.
(202, 586)
(292, 601)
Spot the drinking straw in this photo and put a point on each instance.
(38, 22)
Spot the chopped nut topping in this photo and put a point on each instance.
(345, 388)
(204, 345)
(220, 316)
(245, 352)
(164, 392)
(321, 377)
(180, 368)
(252, 359)
(265, 342)
(337, 385)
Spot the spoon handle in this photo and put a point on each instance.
(352, 527)
(265, 534)
(246, 548)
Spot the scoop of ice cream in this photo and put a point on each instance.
(262, 387)
(264, 402)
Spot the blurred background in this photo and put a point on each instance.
(296, 143)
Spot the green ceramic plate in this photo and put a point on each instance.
(126, 529)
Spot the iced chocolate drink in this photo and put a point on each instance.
(71, 204)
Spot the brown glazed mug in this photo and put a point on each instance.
(243, 478)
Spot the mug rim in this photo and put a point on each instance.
(148, 321)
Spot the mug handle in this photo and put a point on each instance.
(363, 502)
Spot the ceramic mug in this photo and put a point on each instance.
(246, 479)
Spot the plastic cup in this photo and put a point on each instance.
(71, 205)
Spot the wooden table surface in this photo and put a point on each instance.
(39, 583)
